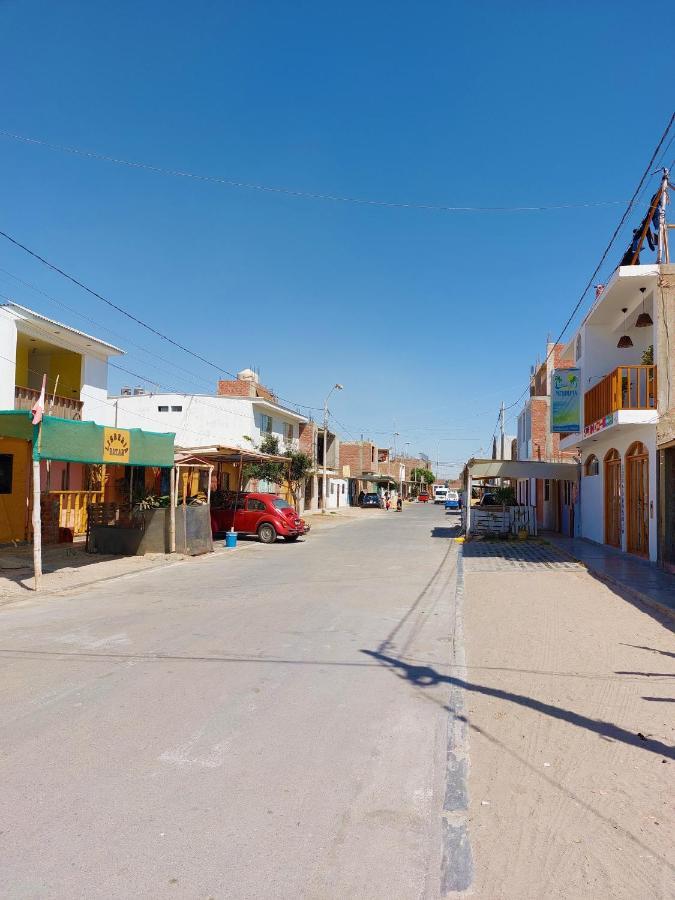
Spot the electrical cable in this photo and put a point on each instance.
(308, 195)
(623, 219)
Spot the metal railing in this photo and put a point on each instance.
(627, 387)
(55, 405)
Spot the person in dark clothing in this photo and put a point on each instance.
(361, 496)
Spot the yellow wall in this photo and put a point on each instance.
(14, 506)
(57, 361)
(68, 366)
(21, 363)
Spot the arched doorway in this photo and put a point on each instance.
(637, 499)
(613, 498)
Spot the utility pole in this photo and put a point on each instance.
(501, 431)
(662, 253)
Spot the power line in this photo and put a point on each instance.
(623, 219)
(129, 315)
(307, 195)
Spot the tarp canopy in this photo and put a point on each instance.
(512, 468)
(86, 442)
(226, 455)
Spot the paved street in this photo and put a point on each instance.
(364, 714)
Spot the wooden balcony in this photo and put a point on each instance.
(64, 407)
(627, 387)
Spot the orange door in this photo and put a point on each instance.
(613, 499)
(637, 499)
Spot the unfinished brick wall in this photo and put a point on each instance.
(241, 387)
(360, 456)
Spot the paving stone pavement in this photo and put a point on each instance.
(506, 556)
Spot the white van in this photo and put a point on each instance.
(440, 494)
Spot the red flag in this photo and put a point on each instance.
(38, 408)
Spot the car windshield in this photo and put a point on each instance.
(281, 504)
(452, 495)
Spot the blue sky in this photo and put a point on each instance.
(428, 318)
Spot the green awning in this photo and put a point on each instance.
(86, 442)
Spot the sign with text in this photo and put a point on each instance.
(565, 400)
(116, 445)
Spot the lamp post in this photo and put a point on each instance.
(406, 444)
(336, 387)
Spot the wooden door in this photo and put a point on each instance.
(613, 499)
(637, 499)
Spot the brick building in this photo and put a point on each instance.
(535, 441)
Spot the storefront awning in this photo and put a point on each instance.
(512, 468)
(86, 442)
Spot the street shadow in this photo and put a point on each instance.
(660, 699)
(446, 532)
(16, 563)
(426, 676)
(651, 649)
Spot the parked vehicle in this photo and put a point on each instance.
(423, 497)
(489, 500)
(267, 515)
(452, 501)
(371, 501)
(440, 494)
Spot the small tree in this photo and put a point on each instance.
(266, 470)
(300, 467)
(426, 476)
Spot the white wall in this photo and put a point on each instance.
(337, 490)
(592, 486)
(202, 420)
(7, 361)
(96, 406)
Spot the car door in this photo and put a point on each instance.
(253, 512)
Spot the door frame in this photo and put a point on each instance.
(637, 476)
(612, 467)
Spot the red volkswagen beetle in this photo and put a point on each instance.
(267, 515)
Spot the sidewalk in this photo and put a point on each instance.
(635, 578)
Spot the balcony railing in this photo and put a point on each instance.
(64, 407)
(627, 387)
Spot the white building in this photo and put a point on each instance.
(201, 420)
(75, 363)
(618, 495)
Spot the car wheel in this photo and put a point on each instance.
(267, 533)
(291, 537)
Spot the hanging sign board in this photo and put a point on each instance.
(565, 400)
(116, 445)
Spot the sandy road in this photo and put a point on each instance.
(567, 801)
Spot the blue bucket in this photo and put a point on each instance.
(231, 539)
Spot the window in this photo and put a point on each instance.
(547, 489)
(255, 505)
(567, 493)
(6, 467)
(577, 351)
(343, 488)
(288, 431)
(372, 454)
(592, 465)
(332, 487)
(280, 503)
(266, 424)
(162, 409)
(176, 409)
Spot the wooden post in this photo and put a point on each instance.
(185, 481)
(172, 510)
(37, 526)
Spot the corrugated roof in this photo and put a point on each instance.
(30, 314)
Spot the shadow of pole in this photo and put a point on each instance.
(425, 676)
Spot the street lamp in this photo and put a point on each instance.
(336, 387)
